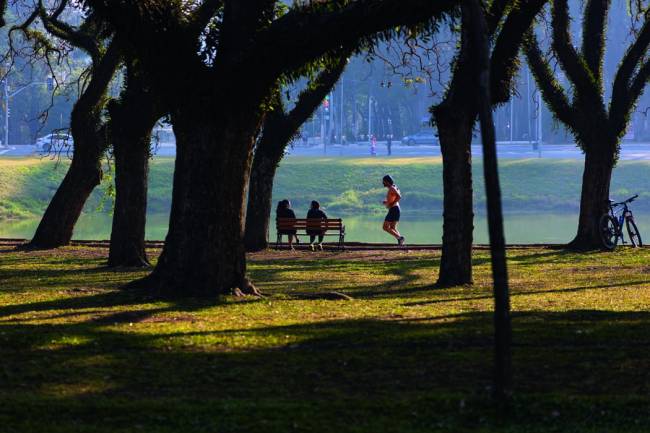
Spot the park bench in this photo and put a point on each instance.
(329, 227)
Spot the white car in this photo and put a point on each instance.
(55, 141)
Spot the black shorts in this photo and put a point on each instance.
(393, 214)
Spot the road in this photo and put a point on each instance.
(629, 151)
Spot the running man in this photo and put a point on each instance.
(392, 203)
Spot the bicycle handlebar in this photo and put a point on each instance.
(629, 200)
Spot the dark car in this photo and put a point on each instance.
(422, 137)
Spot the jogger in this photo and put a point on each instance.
(394, 212)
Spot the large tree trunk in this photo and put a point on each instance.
(132, 120)
(455, 132)
(260, 196)
(85, 173)
(204, 250)
(131, 152)
(596, 178)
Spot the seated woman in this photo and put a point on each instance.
(315, 213)
(284, 211)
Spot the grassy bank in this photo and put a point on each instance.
(354, 185)
(345, 185)
(401, 356)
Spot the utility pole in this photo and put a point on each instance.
(539, 124)
(341, 114)
(322, 128)
(530, 138)
(331, 130)
(5, 142)
(369, 117)
(512, 115)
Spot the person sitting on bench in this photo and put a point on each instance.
(315, 212)
(284, 211)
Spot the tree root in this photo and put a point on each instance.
(247, 289)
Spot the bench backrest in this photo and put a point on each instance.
(308, 224)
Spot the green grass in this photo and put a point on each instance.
(344, 186)
(79, 355)
(350, 185)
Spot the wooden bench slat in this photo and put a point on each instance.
(326, 227)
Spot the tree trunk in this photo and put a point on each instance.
(279, 128)
(502, 325)
(85, 173)
(132, 120)
(596, 178)
(455, 132)
(204, 252)
(131, 152)
(260, 196)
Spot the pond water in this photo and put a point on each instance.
(521, 228)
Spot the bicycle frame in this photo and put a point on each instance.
(621, 212)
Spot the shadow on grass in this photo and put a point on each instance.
(574, 371)
(551, 255)
(529, 292)
(413, 275)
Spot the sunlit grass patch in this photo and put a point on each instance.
(79, 354)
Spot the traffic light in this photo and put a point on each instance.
(326, 103)
(50, 83)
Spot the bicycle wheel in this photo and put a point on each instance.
(633, 232)
(608, 231)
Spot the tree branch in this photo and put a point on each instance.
(593, 36)
(623, 82)
(66, 32)
(60, 9)
(305, 34)
(101, 75)
(280, 126)
(572, 63)
(204, 14)
(622, 106)
(552, 91)
(504, 62)
(3, 7)
(310, 98)
(495, 14)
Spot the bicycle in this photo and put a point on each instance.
(611, 225)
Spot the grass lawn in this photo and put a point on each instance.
(78, 355)
(345, 186)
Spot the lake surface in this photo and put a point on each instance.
(521, 228)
